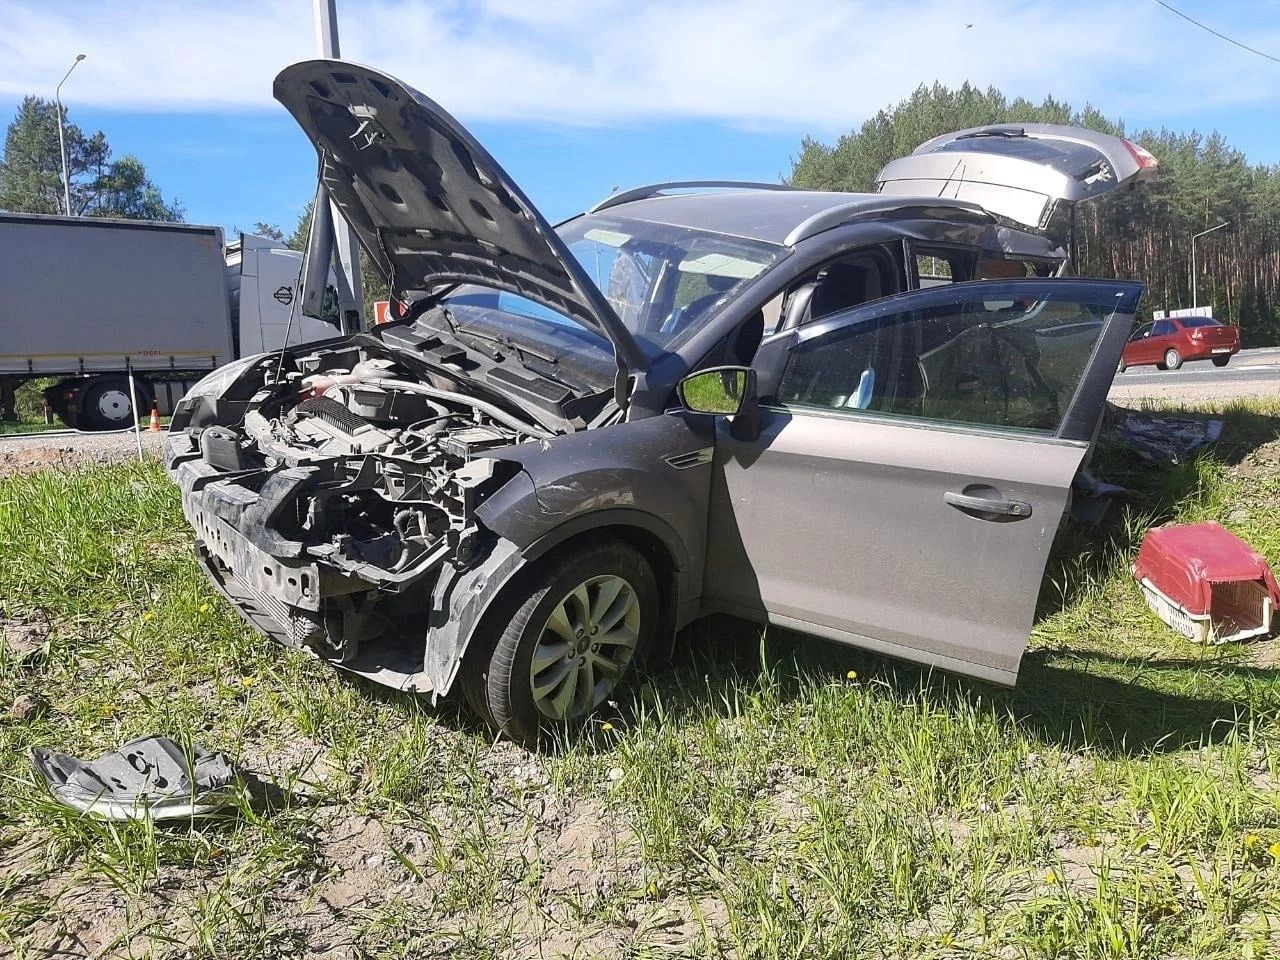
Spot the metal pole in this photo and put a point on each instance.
(137, 423)
(62, 141)
(348, 248)
(1195, 290)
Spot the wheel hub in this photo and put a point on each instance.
(584, 647)
(114, 404)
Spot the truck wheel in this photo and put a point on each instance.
(1172, 359)
(106, 404)
(568, 635)
(1222, 361)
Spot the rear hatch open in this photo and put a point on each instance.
(1021, 172)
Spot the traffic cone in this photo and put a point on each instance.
(155, 417)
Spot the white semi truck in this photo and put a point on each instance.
(87, 300)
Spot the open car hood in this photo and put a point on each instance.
(1021, 172)
(429, 204)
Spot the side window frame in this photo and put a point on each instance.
(961, 258)
(1079, 415)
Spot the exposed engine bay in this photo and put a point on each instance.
(363, 477)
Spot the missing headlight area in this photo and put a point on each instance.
(322, 489)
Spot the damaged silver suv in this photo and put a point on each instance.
(855, 415)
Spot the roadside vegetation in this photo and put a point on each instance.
(29, 407)
(767, 796)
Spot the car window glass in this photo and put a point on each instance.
(853, 280)
(1163, 328)
(662, 281)
(978, 363)
(939, 266)
(933, 271)
(773, 314)
(1200, 322)
(1142, 332)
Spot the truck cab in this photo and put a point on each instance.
(262, 282)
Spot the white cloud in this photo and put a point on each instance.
(764, 63)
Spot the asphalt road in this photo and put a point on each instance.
(1250, 373)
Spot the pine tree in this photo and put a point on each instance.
(31, 171)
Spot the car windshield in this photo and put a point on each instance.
(1199, 322)
(663, 281)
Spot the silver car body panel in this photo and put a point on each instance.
(1018, 171)
(876, 557)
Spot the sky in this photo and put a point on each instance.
(577, 97)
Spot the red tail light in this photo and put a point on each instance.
(1145, 160)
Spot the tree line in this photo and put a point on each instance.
(31, 171)
(1142, 233)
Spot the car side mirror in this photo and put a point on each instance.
(724, 391)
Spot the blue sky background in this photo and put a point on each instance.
(575, 97)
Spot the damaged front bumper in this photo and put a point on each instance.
(404, 629)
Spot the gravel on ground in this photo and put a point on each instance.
(23, 454)
(1175, 392)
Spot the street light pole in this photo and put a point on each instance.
(62, 140)
(344, 241)
(1195, 299)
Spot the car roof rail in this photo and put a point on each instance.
(869, 206)
(658, 189)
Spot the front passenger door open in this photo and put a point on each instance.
(914, 460)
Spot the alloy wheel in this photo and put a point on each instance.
(584, 647)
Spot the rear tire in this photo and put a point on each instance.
(1172, 359)
(585, 615)
(106, 404)
(1221, 361)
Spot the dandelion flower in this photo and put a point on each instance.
(1274, 849)
(149, 615)
(1251, 840)
(606, 726)
(248, 681)
(1051, 878)
(852, 674)
(204, 608)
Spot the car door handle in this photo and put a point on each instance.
(1000, 506)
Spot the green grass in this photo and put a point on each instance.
(28, 426)
(767, 796)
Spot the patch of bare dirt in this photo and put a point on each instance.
(1262, 463)
(19, 454)
(23, 641)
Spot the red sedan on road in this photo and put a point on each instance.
(1168, 343)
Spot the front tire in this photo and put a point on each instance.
(565, 638)
(1172, 359)
(1221, 361)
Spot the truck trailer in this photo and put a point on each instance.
(87, 300)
